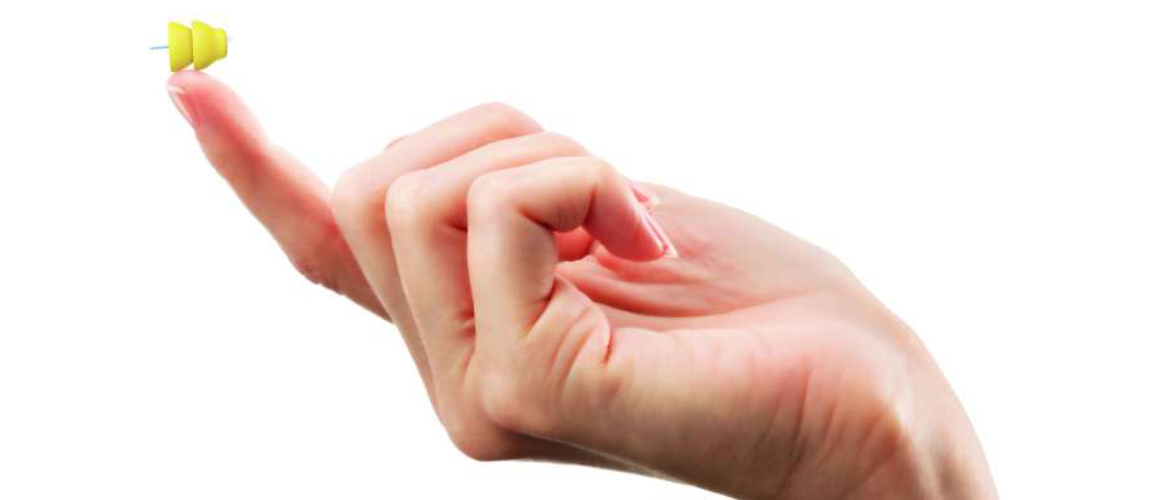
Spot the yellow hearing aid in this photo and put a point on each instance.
(202, 45)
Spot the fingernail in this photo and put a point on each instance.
(644, 195)
(666, 246)
(180, 99)
(394, 141)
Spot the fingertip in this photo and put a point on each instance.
(213, 109)
(198, 89)
(633, 235)
(655, 244)
(199, 83)
(575, 244)
(667, 248)
(184, 78)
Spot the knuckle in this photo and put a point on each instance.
(505, 117)
(561, 142)
(348, 191)
(590, 170)
(504, 401)
(476, 449)
(600, 169)
(311, 269)
(404, 199)
(473, 441)
(519, 405)
(488, 194)
(310, 262)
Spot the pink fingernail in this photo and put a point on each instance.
(644, 195)
(180, 99)
(666, 246)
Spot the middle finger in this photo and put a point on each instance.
(358, 202)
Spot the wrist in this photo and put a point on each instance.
(948, 470)
(941, 457)
(930, 453)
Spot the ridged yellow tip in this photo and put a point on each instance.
(179, 46)
(202, 45)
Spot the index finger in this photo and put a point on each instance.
(285, 196)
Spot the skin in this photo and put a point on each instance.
(558, 311)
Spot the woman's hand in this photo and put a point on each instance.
(558, 311)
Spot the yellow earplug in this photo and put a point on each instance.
(202, 45)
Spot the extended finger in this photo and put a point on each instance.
(288, 199)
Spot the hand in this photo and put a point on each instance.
(558, 311)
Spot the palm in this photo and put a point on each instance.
(754, 329)
(731, 263)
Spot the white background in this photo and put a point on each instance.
(999, 172)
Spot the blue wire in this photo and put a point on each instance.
(159, 47)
